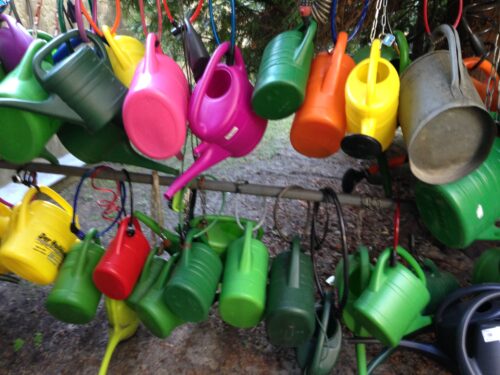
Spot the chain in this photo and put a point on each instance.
(384, 16)
(375, 20)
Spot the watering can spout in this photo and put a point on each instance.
(209, 155)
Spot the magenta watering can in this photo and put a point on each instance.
(220, 114)
(155, 108)
(14, 41)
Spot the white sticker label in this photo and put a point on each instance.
(479, 211)
(491, 334)
(231, 133)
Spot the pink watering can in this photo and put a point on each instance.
(220, 114)
(155, 109)
(14, 41)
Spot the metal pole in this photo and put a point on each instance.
(221, 186)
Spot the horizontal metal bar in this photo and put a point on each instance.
(220, 186)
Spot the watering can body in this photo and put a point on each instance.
(319, 124)
(155, 109)
(125, 53)
(14, 41)
(460, 212)
(284, 69)
(23, 133)
(220, 115)
(487, 267)
(5, 216)
(446, 128)
(439, 284)
(485, 67)
(371, 95)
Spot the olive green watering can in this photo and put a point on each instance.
(439, 284)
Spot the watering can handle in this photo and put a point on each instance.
(246, 256)
(92, 234)
(150, 60)
(123, 59)
(331, 78)
(301, 50)
(364, 258)
(404, 50)
(320, 341)
(294, 270)
(371, 80)
(166, 271)
(11, 22)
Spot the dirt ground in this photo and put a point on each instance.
(33, 342)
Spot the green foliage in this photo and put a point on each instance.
(18, 344)
(38, 339)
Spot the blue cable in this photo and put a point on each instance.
(233, 23)
(333, 15)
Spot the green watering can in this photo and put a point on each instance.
(172, 241)
(487, 267)
(284, 69)
(439, 284)
(123, 324)
(110, 143)
(290, 313)
(243, 295)
(23, 134)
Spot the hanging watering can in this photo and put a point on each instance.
(485, 68)
(14, 41)
(439, 284)
(392, 304)
(197, 54)
(487, 267)
(171, 241)
(155, 109)
(460, 212)
(290, 312)
(5, 216)
(446, 128)
(281, 82)
(371, 95)
(319, 125)
(38, 237)
(23, 134)
(243, 294)
(221, 116)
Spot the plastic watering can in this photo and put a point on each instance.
(5, 215)
(290, 312)
(284, 69)
(243, 295)
(319, 124)
(23, 135)
(123, 324)
(371, 95)
(482, 85)
(14, 41)
(487, 267)
(221, 116)
(107, 144)
(439, 284)
(446, 127)
(391, 306)
(172, 241)
(197, 54)
(460, 212)
(155, 109)
(74, 297)
(38, 237)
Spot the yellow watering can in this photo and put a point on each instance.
(5, 214)
(372, 94)
(38, 237)
(123, 324)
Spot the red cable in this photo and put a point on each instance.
(5, 203)
(193, 18)
(426, 18)
(143, 18)
(397, 216)
(109, 205)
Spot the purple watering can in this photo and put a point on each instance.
(14, 41)
(220, 114)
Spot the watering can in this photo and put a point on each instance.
(197, 54)
(371, 95)
(392, 304)
(107, 144)
(290, 312)
(191, 290)
(446, 128)
(439, 284)
(284, 68)
(5, 216)
(155, 109)
(243, 294)
(152, 308)
(74, 297)
(121, 265)
(123, 324)
(319, 124)
(38, 237)
(125, 53)
(485, 67)
(487, 267)
(14, 41)
(24, 134)
(460, 212)
(221, 116)
(171, 241)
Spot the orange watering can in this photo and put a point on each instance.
(320, 123)
(481, 86)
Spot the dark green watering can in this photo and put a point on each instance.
(23, 134)
(487, 267)
(439, 284)
(290, 313)
(284, 69)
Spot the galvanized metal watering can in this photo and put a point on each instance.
(447, 130)
(221, 116)
(284, 69)
(14, 41)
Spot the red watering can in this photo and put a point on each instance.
(14, 41)
(220, 114)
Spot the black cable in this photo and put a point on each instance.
(315, 244)
(130, 228)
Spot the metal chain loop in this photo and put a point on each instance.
(384, 16)
(375, 20)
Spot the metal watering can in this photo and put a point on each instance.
(14, 41)
(284, 69)
(155, 109)
(446, 128)
(371, 95)
(221, 116)
(319, 124)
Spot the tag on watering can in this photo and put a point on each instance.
(388, 40)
